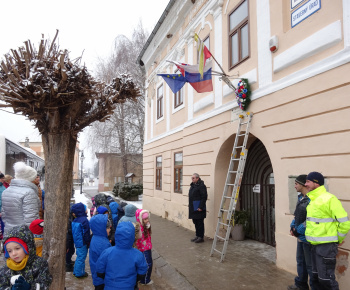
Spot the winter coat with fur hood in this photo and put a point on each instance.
(20, 204)
(36, 270)
(145, 243)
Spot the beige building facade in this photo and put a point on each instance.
(300, 101)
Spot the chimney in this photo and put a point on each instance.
(26, 142)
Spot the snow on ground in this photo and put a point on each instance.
(83, 199)
(138, 203)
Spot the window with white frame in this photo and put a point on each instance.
(239, 34)
(178, 97)
(178, 162)
(159, 172)
(160, 102)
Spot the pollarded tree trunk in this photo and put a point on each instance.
(62, 98)
(59, 156)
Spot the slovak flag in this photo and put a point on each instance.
(193, 76)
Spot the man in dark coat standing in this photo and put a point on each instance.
(197, 198)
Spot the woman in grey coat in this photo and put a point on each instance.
(20, 202)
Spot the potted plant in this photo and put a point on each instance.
(241, 224)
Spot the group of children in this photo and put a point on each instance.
(119, 261)
(120, 266)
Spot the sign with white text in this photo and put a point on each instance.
(305, 11)
(256, 188)
(294, 3)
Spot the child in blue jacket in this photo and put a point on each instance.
(122, 266)
(114, 209)
(100, 227)
(81, 237)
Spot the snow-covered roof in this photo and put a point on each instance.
(25, 148)
(129, 175)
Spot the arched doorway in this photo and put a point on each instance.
(257, 193)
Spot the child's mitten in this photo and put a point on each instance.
(21, 284)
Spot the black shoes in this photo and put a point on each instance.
(194, 239)
(199, 240)
(69, 267)
(295, 287)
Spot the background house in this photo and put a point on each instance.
(296, 56)
(111, 170)
(37, 146)
(12, 152)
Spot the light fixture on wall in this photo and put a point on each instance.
(273, 43)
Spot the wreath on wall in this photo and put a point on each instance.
(243, 94)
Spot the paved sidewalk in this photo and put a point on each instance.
(248, 264)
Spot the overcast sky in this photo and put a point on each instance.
(89, 26)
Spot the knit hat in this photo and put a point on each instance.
(37, 227)
(145, 215)
(18, 241)
(109, 199)
(315, 177)
(2, 175)
(22, 171)
(301, 179)
(102, 210)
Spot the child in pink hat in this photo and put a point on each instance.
(144, 244)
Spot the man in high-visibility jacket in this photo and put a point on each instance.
(327, 224)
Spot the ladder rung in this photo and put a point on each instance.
(224, 224)
(235, 159)
(245, 123)
(241, 135)
(233, 171)
(217, 251)
(232, 184)
(224, 210)
(239, 147)
(221, 238)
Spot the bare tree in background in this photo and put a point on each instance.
(62, 98)
(123, 133)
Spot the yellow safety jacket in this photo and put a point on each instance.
(326, 220)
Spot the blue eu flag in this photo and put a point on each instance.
(174, 81)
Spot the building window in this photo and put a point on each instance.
(160, 102)
(159, 172)
(239, 34)
(178, 172)
(178, 97)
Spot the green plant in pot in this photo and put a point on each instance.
(241, 224)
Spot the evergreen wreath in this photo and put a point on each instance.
(243, 94)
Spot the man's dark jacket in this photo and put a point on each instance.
(197, 198)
